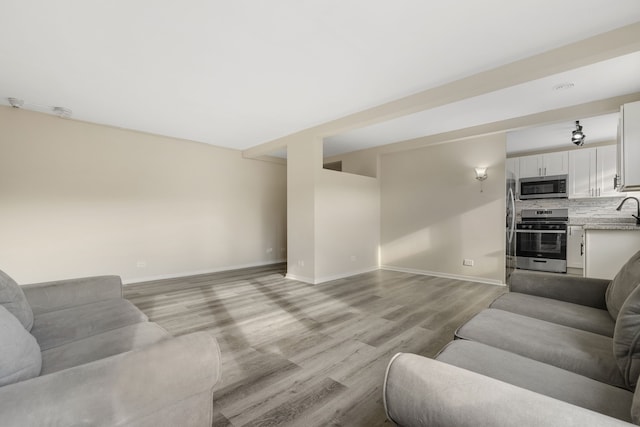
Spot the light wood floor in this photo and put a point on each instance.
(310, 355)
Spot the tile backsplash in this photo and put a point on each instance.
(601, 208)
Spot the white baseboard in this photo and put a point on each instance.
(444, 275)
(332, 277)
(347, 274)
(299, 278)
(197, 272)
(311, 280)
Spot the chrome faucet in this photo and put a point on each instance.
(637, 217)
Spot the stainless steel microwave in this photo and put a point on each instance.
(544, 187)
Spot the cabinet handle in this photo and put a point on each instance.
(539, 171)
(581, 249)
(545, 171)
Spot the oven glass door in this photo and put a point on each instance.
(541, 243)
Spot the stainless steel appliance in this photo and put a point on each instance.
(541, 242)
(510, 228)
(543, 187)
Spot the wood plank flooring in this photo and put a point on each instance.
(310, 355)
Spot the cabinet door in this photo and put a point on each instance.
(555, 163)
(530, 166)
(574, 246)
(629, 147)
(606, 251)
(582, 167)
(606, 171)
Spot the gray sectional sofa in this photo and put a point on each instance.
(75, 352)
(554, 351)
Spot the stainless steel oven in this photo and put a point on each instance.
(543, 187)
(541, 240)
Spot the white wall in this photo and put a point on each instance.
(304, 161)
(433, 214)
(80, 199)
(333, 218)
(347, 224)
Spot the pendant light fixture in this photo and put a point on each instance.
(577, 136)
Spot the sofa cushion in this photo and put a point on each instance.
(563, 313)
(12, 298)
(627, 279)
(582, 352)
(626, 339)
(539, 377)
(100, 346)
(60, 327)
(20, 357)
(635, 408)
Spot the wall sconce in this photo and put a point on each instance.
(481, 175)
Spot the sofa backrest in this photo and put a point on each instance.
(20, 357)
(626, 339)
(13, 299)
(622, 285)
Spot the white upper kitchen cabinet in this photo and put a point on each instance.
(629, 147)
(547, 164)
(606, 158)
(592, 172)
(582, 170)
(529, 166)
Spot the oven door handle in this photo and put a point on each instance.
(543, 231)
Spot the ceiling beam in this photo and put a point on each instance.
(598, 48)
(582, 111)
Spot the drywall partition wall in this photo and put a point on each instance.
(433, 215)
(363, 162)
(347, 225)
(333, 218)
(82, 199)
(304, 162)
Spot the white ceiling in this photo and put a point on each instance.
(597, 129)
(239, 73)
(605, 79)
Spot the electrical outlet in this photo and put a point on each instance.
(353, 258)
(301, 263)
(467, 262)
(269, 250)
(141, 264)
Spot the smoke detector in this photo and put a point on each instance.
(15, 102)
(63, 112)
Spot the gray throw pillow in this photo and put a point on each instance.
(626, 339)
(622, 285)
(13, 299)
(20, 358)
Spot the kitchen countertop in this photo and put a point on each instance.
(584, 220)
(604, 223)
(612, 226)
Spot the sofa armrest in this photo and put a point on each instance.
(423, 392)
(117, 390)
(578, 290)
(50, 296)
